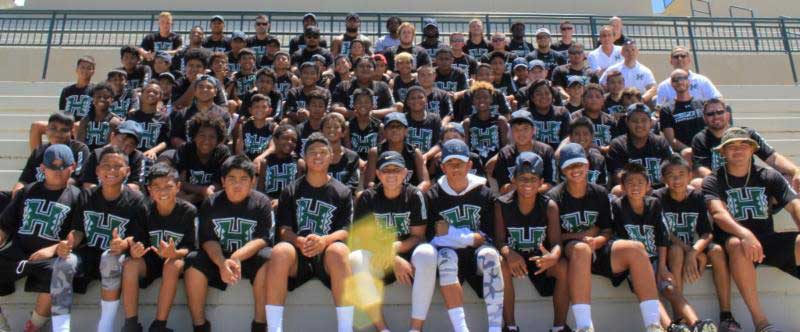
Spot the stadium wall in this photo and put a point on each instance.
(720, 8)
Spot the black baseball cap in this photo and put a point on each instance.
(352, 15)
(167, 75)
(528, 162)
(56, 152)
(395, 117)
(455, 149)
(638, 107)
(571, 153)
(238, 35)
(132, 128)
(430, 22)
(115, 72)
(390, 158)
(521, 116)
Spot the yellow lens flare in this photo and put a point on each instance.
(372, 246)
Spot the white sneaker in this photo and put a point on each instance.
(654, 328)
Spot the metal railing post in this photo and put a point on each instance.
(63, 26)
(380, 28)
(593, 31)
(49, 44)
(693, 45)
(788, 48)
(488, 27)
(241, 22)
(152, 22)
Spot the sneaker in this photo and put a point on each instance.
(705, 325)
(654, 328)
(132, 328)
(678, 328)
(729, 325)
(4, 327)
(769, 328)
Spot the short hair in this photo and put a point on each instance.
(213, 121)
(632, 92)
(592, 87)
(631, 169)
(415, 88)
(162, 169)
(407, 25)
(362, 92)
(268, 72)
(483, 65)
(128, 49)
(112, 149)
(317, 94)
(283, 129)
(427, 67)
(403, 57)
(333, 116)
(263, 16)
(217, 55)
(259, 98)
(246, 52)
(363, 58)
(478, 85)
(102, 86)
(606, 28)
(674, 160)
(62, 118)
(712, 101)
(576, 46)
(395, 18)
(563, 23)
(166, 15)
(444, 50)
(199, 54)
(581, 122)
(240, 162)
(613, 73)
(450, 126)
(86, 58)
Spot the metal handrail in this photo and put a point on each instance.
(695, 10)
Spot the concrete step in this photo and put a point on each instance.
(759, 91)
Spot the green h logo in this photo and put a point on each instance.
(45, 216)
(98, 227)
(420, 138)
(398, 222)
(653, 166)
(149, 134)
(547, 131)
(747, 203)
(279, 176)
(97, 133)
(682, 225)
(314, 216)
(526, 239)
(78, 105)
(164, 235)
(234, 233)
(255, 143)
(362, 143)
(578, 221)
(646, 234)
(483, 140)
(463, 216)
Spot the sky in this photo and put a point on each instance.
(658, 6)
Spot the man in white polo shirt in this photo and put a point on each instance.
(635, 74)
(607, 54)
(700, 87)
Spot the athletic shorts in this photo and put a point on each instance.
(88, 268)
(309, 268)
(14, 265)
(200, 261)
(779, 251)
(388, 276)
(544, 284)
(601, 265)
(154, 265)
(468, 269)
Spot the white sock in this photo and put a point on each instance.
(650, 313)
(344, 316)
(583, 316)
(108, 310)
(61, 323)
(457, 319)
(274, 318)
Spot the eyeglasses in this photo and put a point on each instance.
(714, 113)
(498, 39)
(679, 79)
(680, 56)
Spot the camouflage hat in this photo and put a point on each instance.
(736, 134)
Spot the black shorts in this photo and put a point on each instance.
(468, 269)
(544, 284)
(309, 268)
(201, 262)
(88, 268)
(388, 276)
(154, 267)
(14, 265)
(601, 265)
(779, 251)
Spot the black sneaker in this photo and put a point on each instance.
(678, 328)
(132, 328)
(729, 325)
(156, 327)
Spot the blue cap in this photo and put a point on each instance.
(455, 148)
(132, 128)
(390, 158)
(638, 107)
(217, 17)
(395, 117)
(211, 79)
(56, 152)
(430, 22)
(575, 79)
(571, 154)
(536, 63)
(455, 126)
(528, 162)
(521, 116)
(164, 55)
(238, 35)
(520, 61)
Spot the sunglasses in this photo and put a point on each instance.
(566, 28)
(261, 24)
(714, 113)
(679, 79)
(498, 39)
(680, 56)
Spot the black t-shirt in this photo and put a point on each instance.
(223, 45)
(703, 152)
(473, 209)
(277, 174)
(484, 136)
(283, 84)
(305, 55)
(561, 46)
(597, 172)
(400, 87)
(507, 159)
(140, 75)
(506, 85)
(686, 218)
(97, 133)
(178, 226)
(685, 118)
(304, 130)
(562, 74)
(551, 59)
(275, 103)
(156, 128)
(382, 98)
(123, 103)
(309, 210)
(622, 151)
(423, 135)
(454, 81)
(409, 158)
(346, 170)
(154, 42)
(136, 161)
(647, 228)
(604, 126)
(299, 43)
(466, 63)
(76, 101)
(477, 50)
(297, 99)
(361, 140)
(233, 225)
(581, 214)
(419, 56)
(440, 102)
(184, 83)
(612, 107)
(96, 217)
(431, 46)
(32, 173)
(464, 108)
(38, 217)
(179, 120)
(398, 214)
(552, 127)
(254, 139)
(244, 83)
(749, 199)
(198, 172)
(520, 48)
(524, 232)
(259, 46)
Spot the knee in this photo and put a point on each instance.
(66, 265)
(696, 183)
(447, 261)
(173, 267)
(337, 252)
(359, 260)
(282, 252)
(110, 265)
(424, 256)
(131, 266)
(797, 243)
(581, 249)
(733, 245)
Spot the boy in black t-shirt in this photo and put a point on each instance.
(125, 137)
(501, 166)
(31, 227)
(107, 224)
(153, 120)
(314, 214)
(138, 73)
(461, 207)
(199, 161)
(170, 226)
(741, 198)
(233, 230)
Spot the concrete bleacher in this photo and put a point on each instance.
(774, 110)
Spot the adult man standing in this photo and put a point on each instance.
(341, 43)
(607, 54)
(299, 41)
(635, 74)
(392, 38)
(616, 24)
(217, 42)
(259, 42)
(576, 66)
(682, 117)
(518, 45)
(699, 86)
(163, 40)
(567, 30)
(430, 37)
(313, 46)
(543, 52)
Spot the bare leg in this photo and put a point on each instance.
(260, 294)
(631, 256)
(579, 277)
(561, 293)
(132, 270)
(722, 276)
(282, 265)
(169, 285)
(744, 275)
(196, 290)
(337, 265)
(508, 296)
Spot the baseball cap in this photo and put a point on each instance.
(390, 158)
(167, 75)
(56, 152)
(528, 162)
(571, 153)
(542, 30)
(430, 22)
(311, 15)
(311, 64)
(316, 137)
(311, 30)
(132, 128)
(318, 57)
(379, 57)
(520, 61)
(352, 15)
(238, 35)
(164, 55)
(395, 117)
(209, 78)
(536, 63)
(638, 107)
(629, 42)
(521, 116)
(115, 72)
(575, 79)
(284, 53)
(455, 126)
(455, 149)
(736, 134)
(217, 18)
